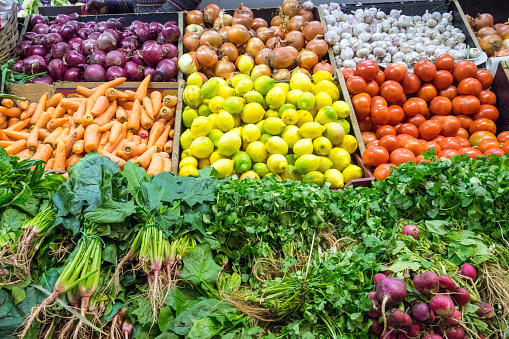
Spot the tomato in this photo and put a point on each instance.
(440, 105)
(374, 128)
(427, 114)
(487, 144)
(413, 145)
(380, 77)
(457, 105)
(368, 69)
(361, 105)
(438, 139)
(438, 118)
(389, 142)
(397, 114)
(485, 78)
(472, 152)
(448, 153)
(368, 137)
(450, 92)
(487, 98)
(488, 112)
(434, 145)
(391, 90)
(450, 126)
(469, 86)
(402, 155)
(414, 106)
(462, 133)
(464, 69)
(505, 147)
(411, 83)
(465, 121)
(395, 72)
(356, 85)
(396, 127)
(477, 137)
(425, 70)
(483, 124)
(380, 115)
(375, 156)
(365, 124)
(470, 104)
(463, 141)
(385, 130)
(372, 144)
(503, 137)
(494, 151)
(378, 101)
(445, 62)
(450, 143)
(372, 88)
(429, 129)
(443, 79)
(416, 120)
(382, 171)
(408, 129)
(348, 72)
(427, 92)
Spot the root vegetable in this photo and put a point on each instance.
(379, 277)
(468, 271)
(446, 283)
(412, 231)
(462, 296)
(454, 319)
(485, 310)
(454, 332)
(376, 306)
(421, 312)
(426, 283)
(442, 305)
(399, 320)
(376, 328)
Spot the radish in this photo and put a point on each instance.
(421, 312)
(426, 283)
(438, 330)
(391, 291)
(433, 336)
(468, 271)
(375, 312)
(399, 320)
(462, 297)
(414, 330)
(454, 319)
(446, 283)
(376, 328)
(412, 231)
(442, 305)
(485, 310)
(455, 332)
(379, 277)
(386, 272)
(388, 335)
(402, 336)
(432, 317)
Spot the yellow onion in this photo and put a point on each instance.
(491, 44)
(223, 67)
(206, 56)
(238, 35)
(281, 74)
(211, 13)
(194, 17)
(295, 39)
(313, 29)
(261, 56)
(291, 8)
(254, 45)
(226, 20)
(259, 22)
(229, 50)
(260, 70)
(187, 64)
(280, 57)
(306, 59)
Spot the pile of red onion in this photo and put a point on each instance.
(75, 51)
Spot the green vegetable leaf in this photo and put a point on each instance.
(200, 268)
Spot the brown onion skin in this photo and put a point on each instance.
(294, 50)
(277, 20)
(194, 17)
(223, 32)
(278, 32)
(238, 35)
(302, 70)
(229, 50)
(223, 67)
(191, 41)
(226, 21)
(485, 31)
(313, 29)
(244, 9)
(503, 31)
(319, 46)
(211, 13)
(280, 57)
(243, 19)
(208, 72)
(203, 77)
(275, 42)
(307, 15)
(491, 44)
(264, 34)
(291, 8)
(281, 74)
(260, 70)
(296, 23)
(261, 57)
(206, 57)
(307, 59)
(323, 66)
(295, 39)
(483, 20)
(253, 46)
(211, 38)
(259, 22)
(502, 53)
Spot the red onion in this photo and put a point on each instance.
(148, 42)
(107, 42)
(136, 58)
(48, 57)
(22, 48)
(152, 53)
(54, 28)
(41, 29)
(114, 58)
(115, 72)
(134, 71)
(166, 70)
(43, 79)
(75, 43)
(38, 19)
(155, 27)
(38, 39)
(170, 51)
(117, 36)
(94, 73)
(116, 24)
(29, 36)
(73, 74)
(57, 69)
(143, 33)
(168, 35)
(149, 70)
(67, 32)
(94, 36)
(85, 32)
(89, 47)
(75, 58)
(91, 24)
(59, 49)
(37, 50)
(51, 39)
(61, 19)
(170, 23)
(34, 64)
(136, 23)
(73, 16)
(76, 25)
(18, 66)
(98, 58)
(101, 26)
(129, 44)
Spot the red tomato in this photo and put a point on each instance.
(420, 158)
(487, 144)
(368, 69)
(470, 104)
(402, 155)
(487, 98)
(385, 130)
(378, 101)
(427, 92)
(472, 152)
(414, 106)
(434, 145)
(494, 151)
(397, 114)
(389, 142)
(348, 72)
(372, 88)
(396, 127)
(365, 125)
(443, 79)
(374, 128)
(450, 126)
(440, 105)
(380, 115)
(413, 145)
(488, 112)
(411, 83)
(505, 147)
(450, 92)
(429, 129)
(464, 69)
(477, 137)
(465, 121)
(485, 78)
(356, 85)
(463, 141)
(368, 137)
(382, 171)
(401, 100)
(457, 105)
(445, 61)
(483, 124)
(395, 72)
(403, 136)
(380, 77)
(448, 153)
(469, 86)
(391, 90)
(408, 129)
(450, 143)
(416, 120)
(372, 144)
(375, 156)
(463, 133)
(427, 114)
(425, 70)
(361, 105)
(438, 118)
(503, 137)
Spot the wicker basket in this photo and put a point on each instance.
(9, 35)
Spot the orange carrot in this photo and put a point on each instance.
(116, 131)
(69, 142)
(72, 160)
(16, 135)
(141, 92)
(23, 104)
(129, 134)
(113, 94)
(49, 164)
(121, 114)
(7, 103)
(59, 164)
(143, 133)
(92, 135)
(33, 139)
(24, 154)
(17, 147)
(168, 147)
(41, 107)
(120, 145)
(145, 120)
(50, 139)
(121, 162)
(28, 112)
(170, 101)
(80, 113)
(59, 112)
(87, 120)
(133, 149)
(166, 113)
(107, 127)
(156, 98)
(73, 103)
(147, 104)
(101, 89)
(19, 125)
(161, 141)
(43, 134)
(164, 155)
(104, 139)
(156, 165)
(12, 121)
(61, 136)
(43, 119)
(100, 105)
(144, 159)
(54, 100)
(171, 134)
(54, 123)
(3, 136)
(78, 147)
(155, 133)
(107, 115)
(5, 143)
(4, 125)
(3, 118)
(134, 118)
(84, 91)
(13, 112)
(127, 105)
(166, 165)
(130, 94)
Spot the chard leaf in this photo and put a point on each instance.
(200, 268)
(204, 328)
(111, 212)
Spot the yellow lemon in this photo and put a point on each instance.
(224, 167)
(276, 145)
(233, 105)
(285, 86)
(259, 124)
(249, 175)
(253, 96)
(238, 131)
(311, 130)
(188, 116)
(322, 99)
(229, 144)
(328, 87)
(307, 163)
(243, 86)
(250, 133)
(293, 96)
(188, 170)
(277, 163)
(335, 178)
(264, 138)
(349, 144)
(252, 113)
(342, 108)
(325, 164)
(303, 147)
(276, 97)
(314, 177)
(273, 125)
(202, 147)
(304, 116)
(216, 104)
(192, 96)
(225, 121)
(335, 133)
(322, 146)
(221, 81)
(215, 156)
(306, 101)
(213, 120)
(290, 116)
(352, 172)
(300, 81)
(345, 124)
(237, 77)
(271, 114)
(201, 127)
(214, 135)
(290, 174)
(322, 75)
(291, 135)
(257, 152)
(186, 139)
(326, 114)
(263, 84)
(204, 110)
(340, 158)
(202, 163)
(245, 64)
(195, 79)
(188, 161)
(210, 89)
(237, 120)
(285, 107)
(186, 153)
(226, 91)
(242, 162)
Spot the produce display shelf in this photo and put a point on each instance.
(500, 87)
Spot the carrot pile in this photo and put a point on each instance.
(122, 125)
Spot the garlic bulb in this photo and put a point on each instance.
(379, 52)
(344, 43)
(395, 14)
(362, 52)
(347, 53)
(426, 16)
(431, 23)
(308, 5)
(349, 63)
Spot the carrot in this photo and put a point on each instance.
(127, 105)
(172, 133)
(59, 111)
(130, 94)
(17, 147)
(5, 143)
(171, 122)
(104, 139)
(100, 105)
(3, 136)
(164, 155)
(132, 149)
(73, 103)
(129, 134)
(143, 133)
(59, 164)
(107, 127)
(4, 125)
(54, 100)
(78, 147)
(28, 112)
(141, 92)
(23, 104)
(41, 106)
(170, 101)
(121, 114)
(134, 118)
(25, 130)
(107, 115)
(13, 112)
(43, 134)
(101, 89)
(54, 123)
(156, 98)
(156, 165)
(115, 131)
(114, 158)
(84, 91)
(92, 136)
(19, 125)
(144, 159)
(161, 141)
(72, 160)
(16, 135)
(49, 164)
(24, 154)
(50, 139)
(70, 140)
(61, 136)
(113, 94)
(120, 145)
(145, 119)
(43, 119)
(3, 118)
(12, 121)
(155, 132)
(7, 103)
(80, 113)
(33, 139)
(136, 139)
(87, 120)
(166, 113)
(166, 165)
(168, 147)
(147, 104)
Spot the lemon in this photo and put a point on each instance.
(328, 87)
(210, 89)
(322, 75)
(226, 91)
(257, 152)
(276, 145)
(221, 81)
(300, 81)
(291, 159)
(215, 156)
(201, 127)
(233, 105)
(192, 96)
(243, 86)
(213, 120)
(314, 177)
(325, 164)
(322, 146)
(291, 135)
(216, 104)
(188, 170)
(271, 114)
(252, 113)
(194, 79)
(261, 169)
(186, 153)
(235, 80)
(188, 161)
(250, 133)
(253, 96)
(290, 174)
(237, 120)
(245, 64)
(204, 111)
(326, 114)
(225, 121)
(229, 144)
(293, 96)
(186, 139)
(202, 147)
(249, 175)
(285, 107)
(277, 163)
(340, 158)
(273, 125)
(264, 138)
(335, 178)
(311, 130)
(345, 124)
(276, 97)
(335, 133)
(303, 147)
(272, 176)
(259, 124)
(224, 167)
(349, 144)
(263, 84)
(202, 163)
(238, 131)
(342, 108)
(306, 101)
(242, 162)
(188, 116)
(307, 163)
(290, 116)
(313, 112)
(304, 116)
(285, 86)
(352, 172)
(322, 99)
